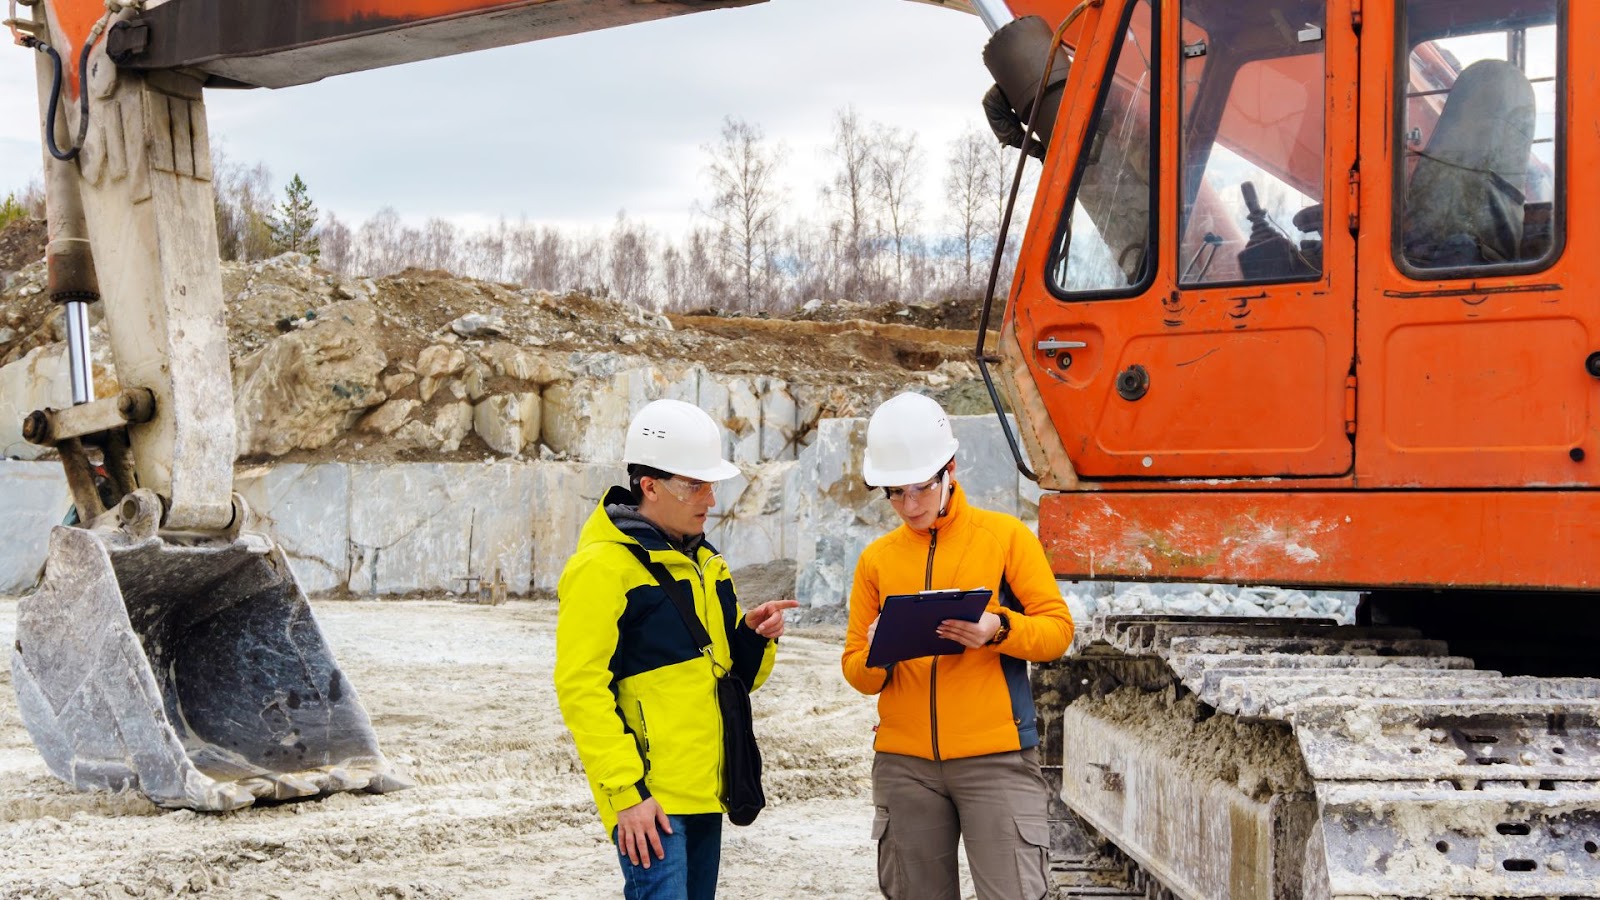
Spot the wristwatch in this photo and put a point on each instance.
(1005, 629)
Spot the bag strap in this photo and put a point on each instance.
(674, 590)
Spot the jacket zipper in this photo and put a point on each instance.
(933, 678)
(644, 736)
(711, 655)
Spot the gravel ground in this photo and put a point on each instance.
(462, 702)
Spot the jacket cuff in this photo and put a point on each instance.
(745, 638)
(633, 795)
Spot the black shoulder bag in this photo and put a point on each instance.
(741, 758)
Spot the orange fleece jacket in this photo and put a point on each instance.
(976, 702)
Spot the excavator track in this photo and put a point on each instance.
(1289, 758)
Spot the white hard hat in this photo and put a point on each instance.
(677, 437)
(908, 441)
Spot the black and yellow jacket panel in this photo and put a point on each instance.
(637, 694)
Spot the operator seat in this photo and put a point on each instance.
(1464, 203)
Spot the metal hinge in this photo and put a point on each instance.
(1355, 200)
(1350, 404)
(1355, 15)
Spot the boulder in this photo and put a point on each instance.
(435, 364)
(508, 423)
(306, 388)
(388, 418)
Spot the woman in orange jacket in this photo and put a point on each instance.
(957, 735)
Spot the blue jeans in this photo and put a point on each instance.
(689, 871)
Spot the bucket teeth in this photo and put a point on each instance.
(384, 782)
(281, 786)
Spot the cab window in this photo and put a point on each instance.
(1252, 142)
(1479, 153)
(1104, 248)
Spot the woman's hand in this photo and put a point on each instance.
(971, 635)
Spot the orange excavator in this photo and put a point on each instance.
(1304, 299)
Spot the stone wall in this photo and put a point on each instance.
(404, 528)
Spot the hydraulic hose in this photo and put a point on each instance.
(71, 153)
(979, 353)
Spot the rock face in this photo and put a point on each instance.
(36, 499)
(309, 387)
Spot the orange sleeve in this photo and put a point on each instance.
(865, 604)
(1043, 631)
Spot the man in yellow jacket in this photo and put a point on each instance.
(635, 689)
(957, 735)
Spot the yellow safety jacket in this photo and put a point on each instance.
(978, 701)
(637, 694)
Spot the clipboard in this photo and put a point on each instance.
(907, 624)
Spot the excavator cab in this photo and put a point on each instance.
(1275, 248)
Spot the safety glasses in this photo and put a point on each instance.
(687, 489)
(899, 495)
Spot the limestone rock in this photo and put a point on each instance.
(388, 418)
(473, 325)
(306, 510)
(451, 423)
(35, 497)
(423, 527)
(436, 363)
(475, 379)
(509, 361)
(508, 423)
(308, 387)
(399, 381)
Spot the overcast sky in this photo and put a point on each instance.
(573, 130)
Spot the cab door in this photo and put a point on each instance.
(1478, 293)
(1185, 300)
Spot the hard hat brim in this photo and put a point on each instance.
(722, 471)
(875, 477)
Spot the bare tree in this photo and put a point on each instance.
(896, 169)
(630, 265)
(541, 257)
(970, 188)
(379, 244)
(337, 245)
(438, 250)
(849, 195)
(243, 200)
(485, 253)
(745, 199)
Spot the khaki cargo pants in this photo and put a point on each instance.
(995, 803)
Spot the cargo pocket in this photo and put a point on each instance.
(1033, 857)
(890, 881)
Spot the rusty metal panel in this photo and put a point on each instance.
(1472, 539)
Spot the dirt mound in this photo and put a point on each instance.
(21, 243)
(443, 344)
(958, 313)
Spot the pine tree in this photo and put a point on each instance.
(295, 222)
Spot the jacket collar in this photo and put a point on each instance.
(616, 520)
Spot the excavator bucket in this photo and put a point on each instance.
(191, 671)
